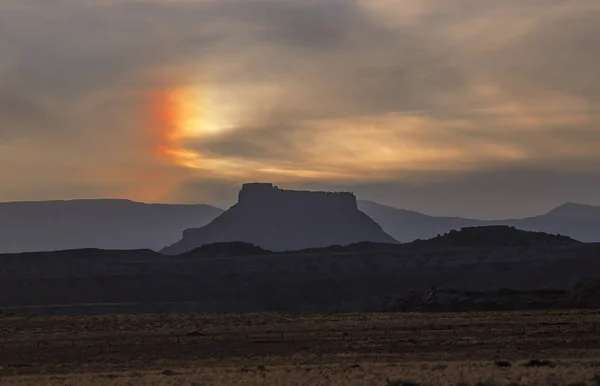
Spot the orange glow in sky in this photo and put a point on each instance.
(180, 116)
(349, 148)
(176, 115)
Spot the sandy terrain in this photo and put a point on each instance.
(439, 349)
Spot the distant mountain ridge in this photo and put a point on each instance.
(578, 221)
(406, 225)
(280, 220)
(124, 224)
(107, 224)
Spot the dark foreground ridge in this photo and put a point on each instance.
(280, 220)
(494, 236)
(361, 277)
(229, 249)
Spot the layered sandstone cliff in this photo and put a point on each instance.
(278, 220)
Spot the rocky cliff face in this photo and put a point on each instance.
(279, 220)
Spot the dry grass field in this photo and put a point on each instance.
(495, 348)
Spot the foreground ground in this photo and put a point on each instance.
(525, 348)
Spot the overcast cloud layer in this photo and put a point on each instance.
(478, 108)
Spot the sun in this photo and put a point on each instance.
(180, 115)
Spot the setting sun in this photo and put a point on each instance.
(180, 114)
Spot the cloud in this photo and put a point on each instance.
(319, 93)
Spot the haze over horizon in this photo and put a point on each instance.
(226, 206)
(473, 108)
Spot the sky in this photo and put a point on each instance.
(478, 108)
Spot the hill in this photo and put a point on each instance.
(330, 280)
(230, 249)
(279, 220)
(578, 221)
(492, 236)
(106, 224)
(405, 225)
(124, 224)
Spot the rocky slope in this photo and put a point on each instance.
(279, 220)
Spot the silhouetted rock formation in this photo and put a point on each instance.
(280, 220)
(581, 222)
(493, 236)
(351, 248)
(123, 224)
(229, 249)
(107, 224)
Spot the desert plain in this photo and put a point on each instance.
(475, 348)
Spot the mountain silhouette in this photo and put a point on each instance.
(405, 225)
(578, 221)
(278, 220)
(124, 224)
(106, 224)
(492, 236)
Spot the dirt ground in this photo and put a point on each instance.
(495, 348)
